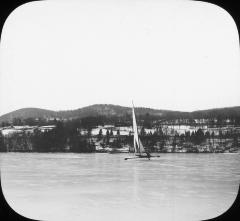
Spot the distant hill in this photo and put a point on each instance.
(28, 113)
(231, 112)
(93, 110)
(116, 110)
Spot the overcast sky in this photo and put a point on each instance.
(61, 55)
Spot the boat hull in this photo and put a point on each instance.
(139, 156)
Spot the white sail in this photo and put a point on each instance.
(135, 132)
(138, 147)
(141, 148)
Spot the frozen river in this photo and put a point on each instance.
(101, 186)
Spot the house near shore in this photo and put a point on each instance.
(8, 131)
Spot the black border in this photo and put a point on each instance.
(231, 6)
(7, 6)
(7, 213)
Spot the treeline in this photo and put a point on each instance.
(146, 120)
(60, 139)
(67, 137)
(85, 122)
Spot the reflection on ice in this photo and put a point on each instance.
(104, 186)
